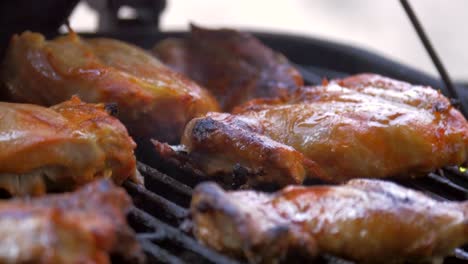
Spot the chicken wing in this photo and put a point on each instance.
(63, 146)
(81, 227)
(153, 101)
(363, 126)
(233, 65)
(368, 221)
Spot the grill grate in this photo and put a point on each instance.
(159, 213)
(159, 221)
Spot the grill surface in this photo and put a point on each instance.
(160, 211)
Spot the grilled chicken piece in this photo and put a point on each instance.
(234, 66)
(368, 221)
(153, 101)
(364, 126)
(63, 146)
(81, 227)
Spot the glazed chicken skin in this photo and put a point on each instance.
(61, 147)
(234, 66)
(153, 101)
(364, 126)
(81, 227)
(368, 221)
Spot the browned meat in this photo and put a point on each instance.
(234, 66)
(81, 227)
(363, 126)
(65, 146)
(368, 221)
(153, 101)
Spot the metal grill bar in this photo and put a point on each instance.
(436, 186)
(445, 181)
(454, 174)
(156, 175)
(176, 236)
(142, 196)
(461, 254)
(156, 236)
(432, 53)
(159, 254)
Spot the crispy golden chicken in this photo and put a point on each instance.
(363, 126)
(81, 227)
(233, 65)
(61, 147)
(153, 101)
(368, 221)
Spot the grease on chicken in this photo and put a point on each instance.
(363, 126)
(368, 221)
(62, 147)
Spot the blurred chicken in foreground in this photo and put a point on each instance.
(81, 227)
(153, 101)
(364, 126)
(234, 66)
(367, 221)
(61, 147)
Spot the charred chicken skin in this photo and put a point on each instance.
(81, 227)
(153, 101)
(368, 221)
(364, 126)
(234, 66)
(61, 147)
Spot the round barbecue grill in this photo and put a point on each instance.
(160, 211)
